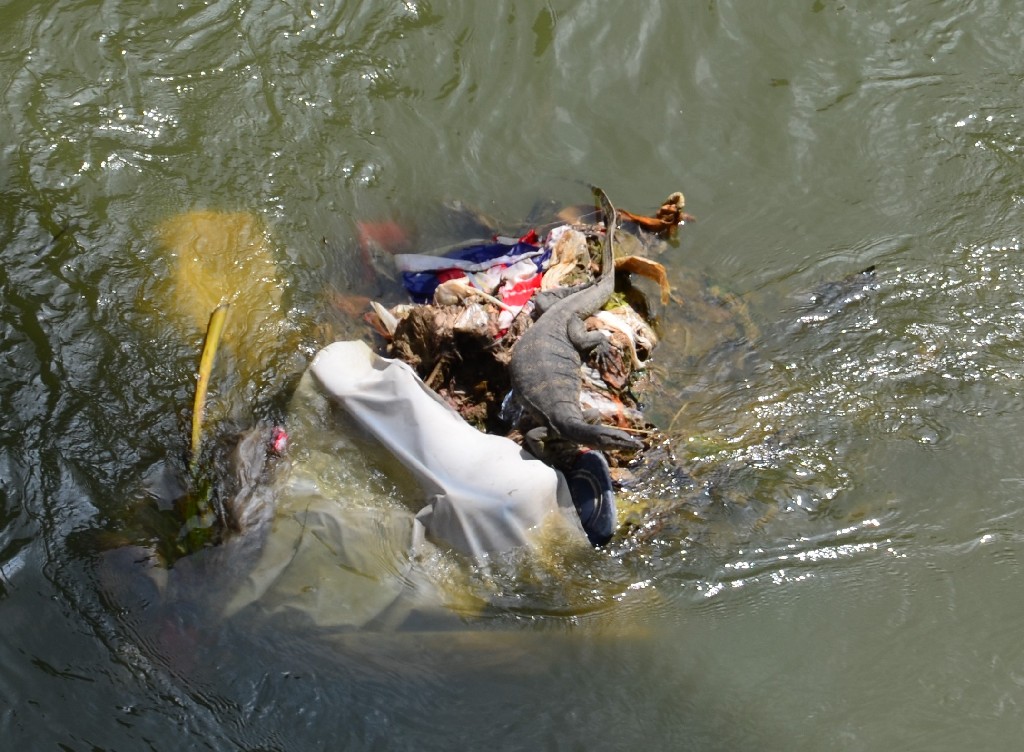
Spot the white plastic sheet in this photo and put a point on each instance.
(483, 493)
(342, 551)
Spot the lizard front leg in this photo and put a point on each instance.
(585, 340)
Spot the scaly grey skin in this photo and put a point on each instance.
(546, 361)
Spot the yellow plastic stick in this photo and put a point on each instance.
(213, 332)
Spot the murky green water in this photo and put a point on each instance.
(843, 570)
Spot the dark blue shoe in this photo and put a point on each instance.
(590, 485)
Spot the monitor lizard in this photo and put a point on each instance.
(546, 361)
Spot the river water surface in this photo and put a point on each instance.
(837, 567)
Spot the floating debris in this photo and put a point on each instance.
(474, 303)
(213, 334)
(666, 220)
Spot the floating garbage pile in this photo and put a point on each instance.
(470, 306)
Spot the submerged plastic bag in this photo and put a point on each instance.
(346, 552)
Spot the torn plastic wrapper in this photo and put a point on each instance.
(421, 274)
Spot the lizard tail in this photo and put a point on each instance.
(611, 221)
(598, 436)
(611, 216)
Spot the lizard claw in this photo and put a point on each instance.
(610, 364)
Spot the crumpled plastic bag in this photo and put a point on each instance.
(483, 493)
